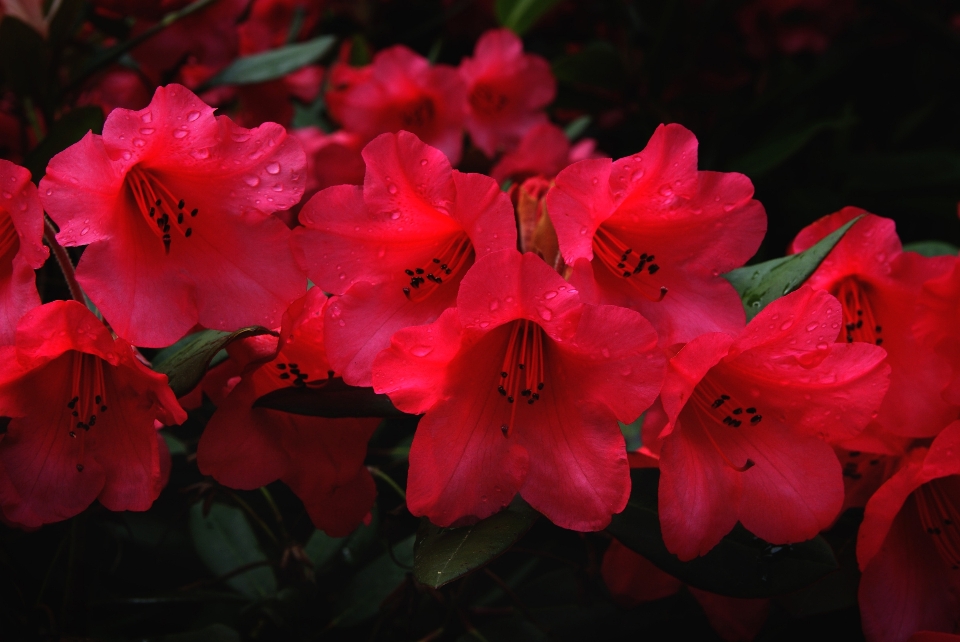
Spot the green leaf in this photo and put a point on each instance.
(333, 399)
(363, 594)
(575, 129)
(225, 542)
(932, 248)
(270, 65)
(762, 283)
(741, 565)
(520, 15)
(442, 555)
(186, 361)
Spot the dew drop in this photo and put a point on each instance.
(484, 324)
(786, 325)
(423, 161)
(180, 133)
(549, 294)
(728, 207)
(147, 117)
(201, 154)
(812, 326)
(392, 188)
(49, 192)
(273, 168)
(822, 346)
(583, 231)
(84, 231)
(494, 305)
(546, 314)
(192, 116)
(666, 190)
(343, 276)
(595, 181)
(278, 187)
(139, 142)
(509, 299)
(125, 155)
(146, 131)
(394, 215)
(252, 181)
(637, 175)
(239, 137)
(421, 351)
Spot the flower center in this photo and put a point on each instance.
(290, 373)
(522, 372)
(418, 113)
(163, 211)
(88, 396)
(623, 261)
(718, 409)
(486, 100)
(452, 259)
(9, 240)
(859, 322)
(940, 517)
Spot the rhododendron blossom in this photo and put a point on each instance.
(879, 285)
(82, 409)
(522, 385)
(543, 151)
(937, 325)
(320, 459)
(908, 546)
(174, 205)
(652, 233)
(21, 247)
(396, 249)
(506, 91)
(747, 417)
(403, 91)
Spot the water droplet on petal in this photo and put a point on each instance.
(201, 154)
(494, 305)
(252, 181)
(146, 131)
(394, 215)
(180, 133)
(139, 142)
(812, 326)
(147, 117)
(192, 116)
(125, 155)
(546, 314)
(273, 168)
(822, 346)
(423, 161)
(343, 276)
(84, 231)
(637, 175)
(484, 324)
(583, 231)
(278, 187)
(421, 351)
(392, 188)
(666, 190)
(786, 324)
(595, 181)
(549, 294)
(728, 207)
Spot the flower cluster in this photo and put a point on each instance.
(524, 314)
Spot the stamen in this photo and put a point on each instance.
(628, 264)
(859, 322)
(9, 239)
(717, 410)
(88, 396)
(453, 258)
(940, 516)
(522, 372)
(150, 196)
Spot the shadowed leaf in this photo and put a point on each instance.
(274, 64)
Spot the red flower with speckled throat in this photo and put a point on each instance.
(174, 205)
(747, 421)
(522, 385)
(396, 249)
(81, 411)
(651, 233)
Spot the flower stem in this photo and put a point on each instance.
(63, 260)
(376, 472)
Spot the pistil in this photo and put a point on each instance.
(522, 373)
(163, 211)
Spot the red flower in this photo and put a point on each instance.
(269, 23)
(908, 546)
(938, 324)
(21, 247)
(403, 242)
(878, 285)
(632, 580)
(82, 411)
(651, 233)
(506, 91)
(320, 459)
(747, 419)
(332, 159)
(522, 385)
(543, 151)
(175, 205)
(403, 91)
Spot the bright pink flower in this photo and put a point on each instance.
(878, 285)
(118, 87)
(543, 151)
(938, 324)
(908, 546)
(82, 410)
(632, 580)
(403, 91)
(652, 233)
(341, 79)
(748, 417)
(332, 159)
(397, 248)
(320, 459)
(175, 206)
(522, 385)
(21, 247)
(506, 91)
